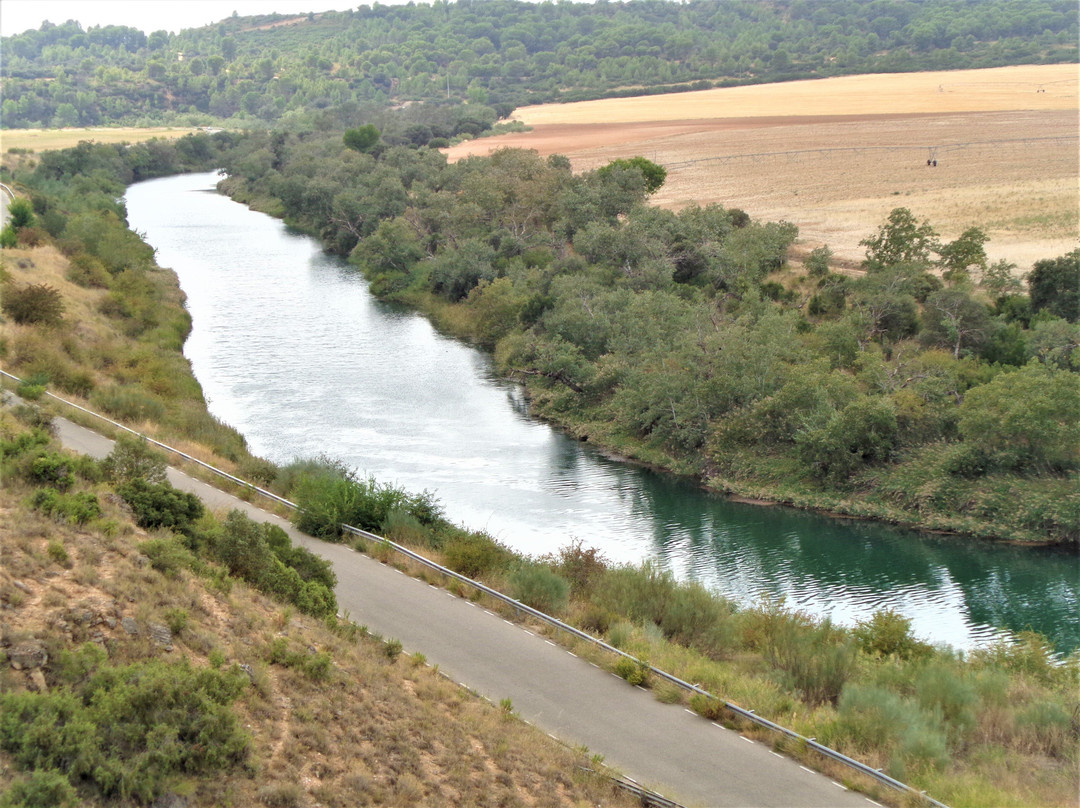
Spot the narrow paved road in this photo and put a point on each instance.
(665, 747)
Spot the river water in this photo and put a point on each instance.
(292, 350)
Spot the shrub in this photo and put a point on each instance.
(133, 458)
(888, 633)
(922, 747)
(167, 556)
(475, 554)
(46, 788)
(125, 731)
(635, 672)
(392, 649)
(161, 505)
(76, 509)
(1046, 727)
(34, 304)
(58, 553)
(128, 403)
(537, 586)
(176, 620)
(581, 566)
(53, 469)
(816, 661)
(697, 618)
(871, 717)
(942, 690)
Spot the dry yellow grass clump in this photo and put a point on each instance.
(834, 156)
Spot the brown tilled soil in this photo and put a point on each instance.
(835, 156)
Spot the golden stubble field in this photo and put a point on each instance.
(834, 156)
(45, 139)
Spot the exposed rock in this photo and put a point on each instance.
(248, 670)
(37, 681)
(130, 626)
(170, 800)
(28, 655)
(23, 587)
(140, 560)
(161, 635)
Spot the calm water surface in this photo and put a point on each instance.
(292, 350)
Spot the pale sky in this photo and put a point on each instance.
(17, 16)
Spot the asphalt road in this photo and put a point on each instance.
(666, 748)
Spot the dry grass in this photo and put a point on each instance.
(375, 732)
(39, 140)
(834, 156)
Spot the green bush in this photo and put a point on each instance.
(161, 505)
(942, 690)
(475, 554)
(125, 731)
(168, 556)
(128, 404)
(133, 458)
(636, 673)
(816, 661)
(46, 788)
(537, 586)
(888, 633)
(53, 469)
(58, 553)
(871, 717)
(76, 509)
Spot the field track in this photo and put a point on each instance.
(836, 155)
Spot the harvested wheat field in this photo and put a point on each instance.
(834, 156)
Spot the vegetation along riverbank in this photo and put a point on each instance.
(941, 720)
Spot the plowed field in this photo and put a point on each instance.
(834, 156)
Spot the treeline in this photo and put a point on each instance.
(931, 390)
(499, 55)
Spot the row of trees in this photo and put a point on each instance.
(501, 54)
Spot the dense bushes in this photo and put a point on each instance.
(124, 731)
(329, 495)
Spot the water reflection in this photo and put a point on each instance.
(292, 350)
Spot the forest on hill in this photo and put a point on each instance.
(254, 71)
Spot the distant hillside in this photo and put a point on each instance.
(498, 55)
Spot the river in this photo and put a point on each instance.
(293, 351)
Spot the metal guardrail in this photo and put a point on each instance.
(521, 608)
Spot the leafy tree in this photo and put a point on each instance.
(1055, 286)
(951, 318)
(132, 458)
(361, 139)
(21, 212)
(1027, 418)
(901, 240)
(960, 257)
(653, 173)
(864, 431)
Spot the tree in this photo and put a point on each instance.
(900, 240)
(1025, 419)
(951, 318)
(361, 139)
(960, 256)
(653, 173)
(21, 213)
(1055, 286)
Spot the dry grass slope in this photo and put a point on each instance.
(373, 732)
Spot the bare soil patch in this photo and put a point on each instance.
(835, 156)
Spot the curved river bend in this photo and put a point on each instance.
(292, 350)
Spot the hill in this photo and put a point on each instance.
(497, 56)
